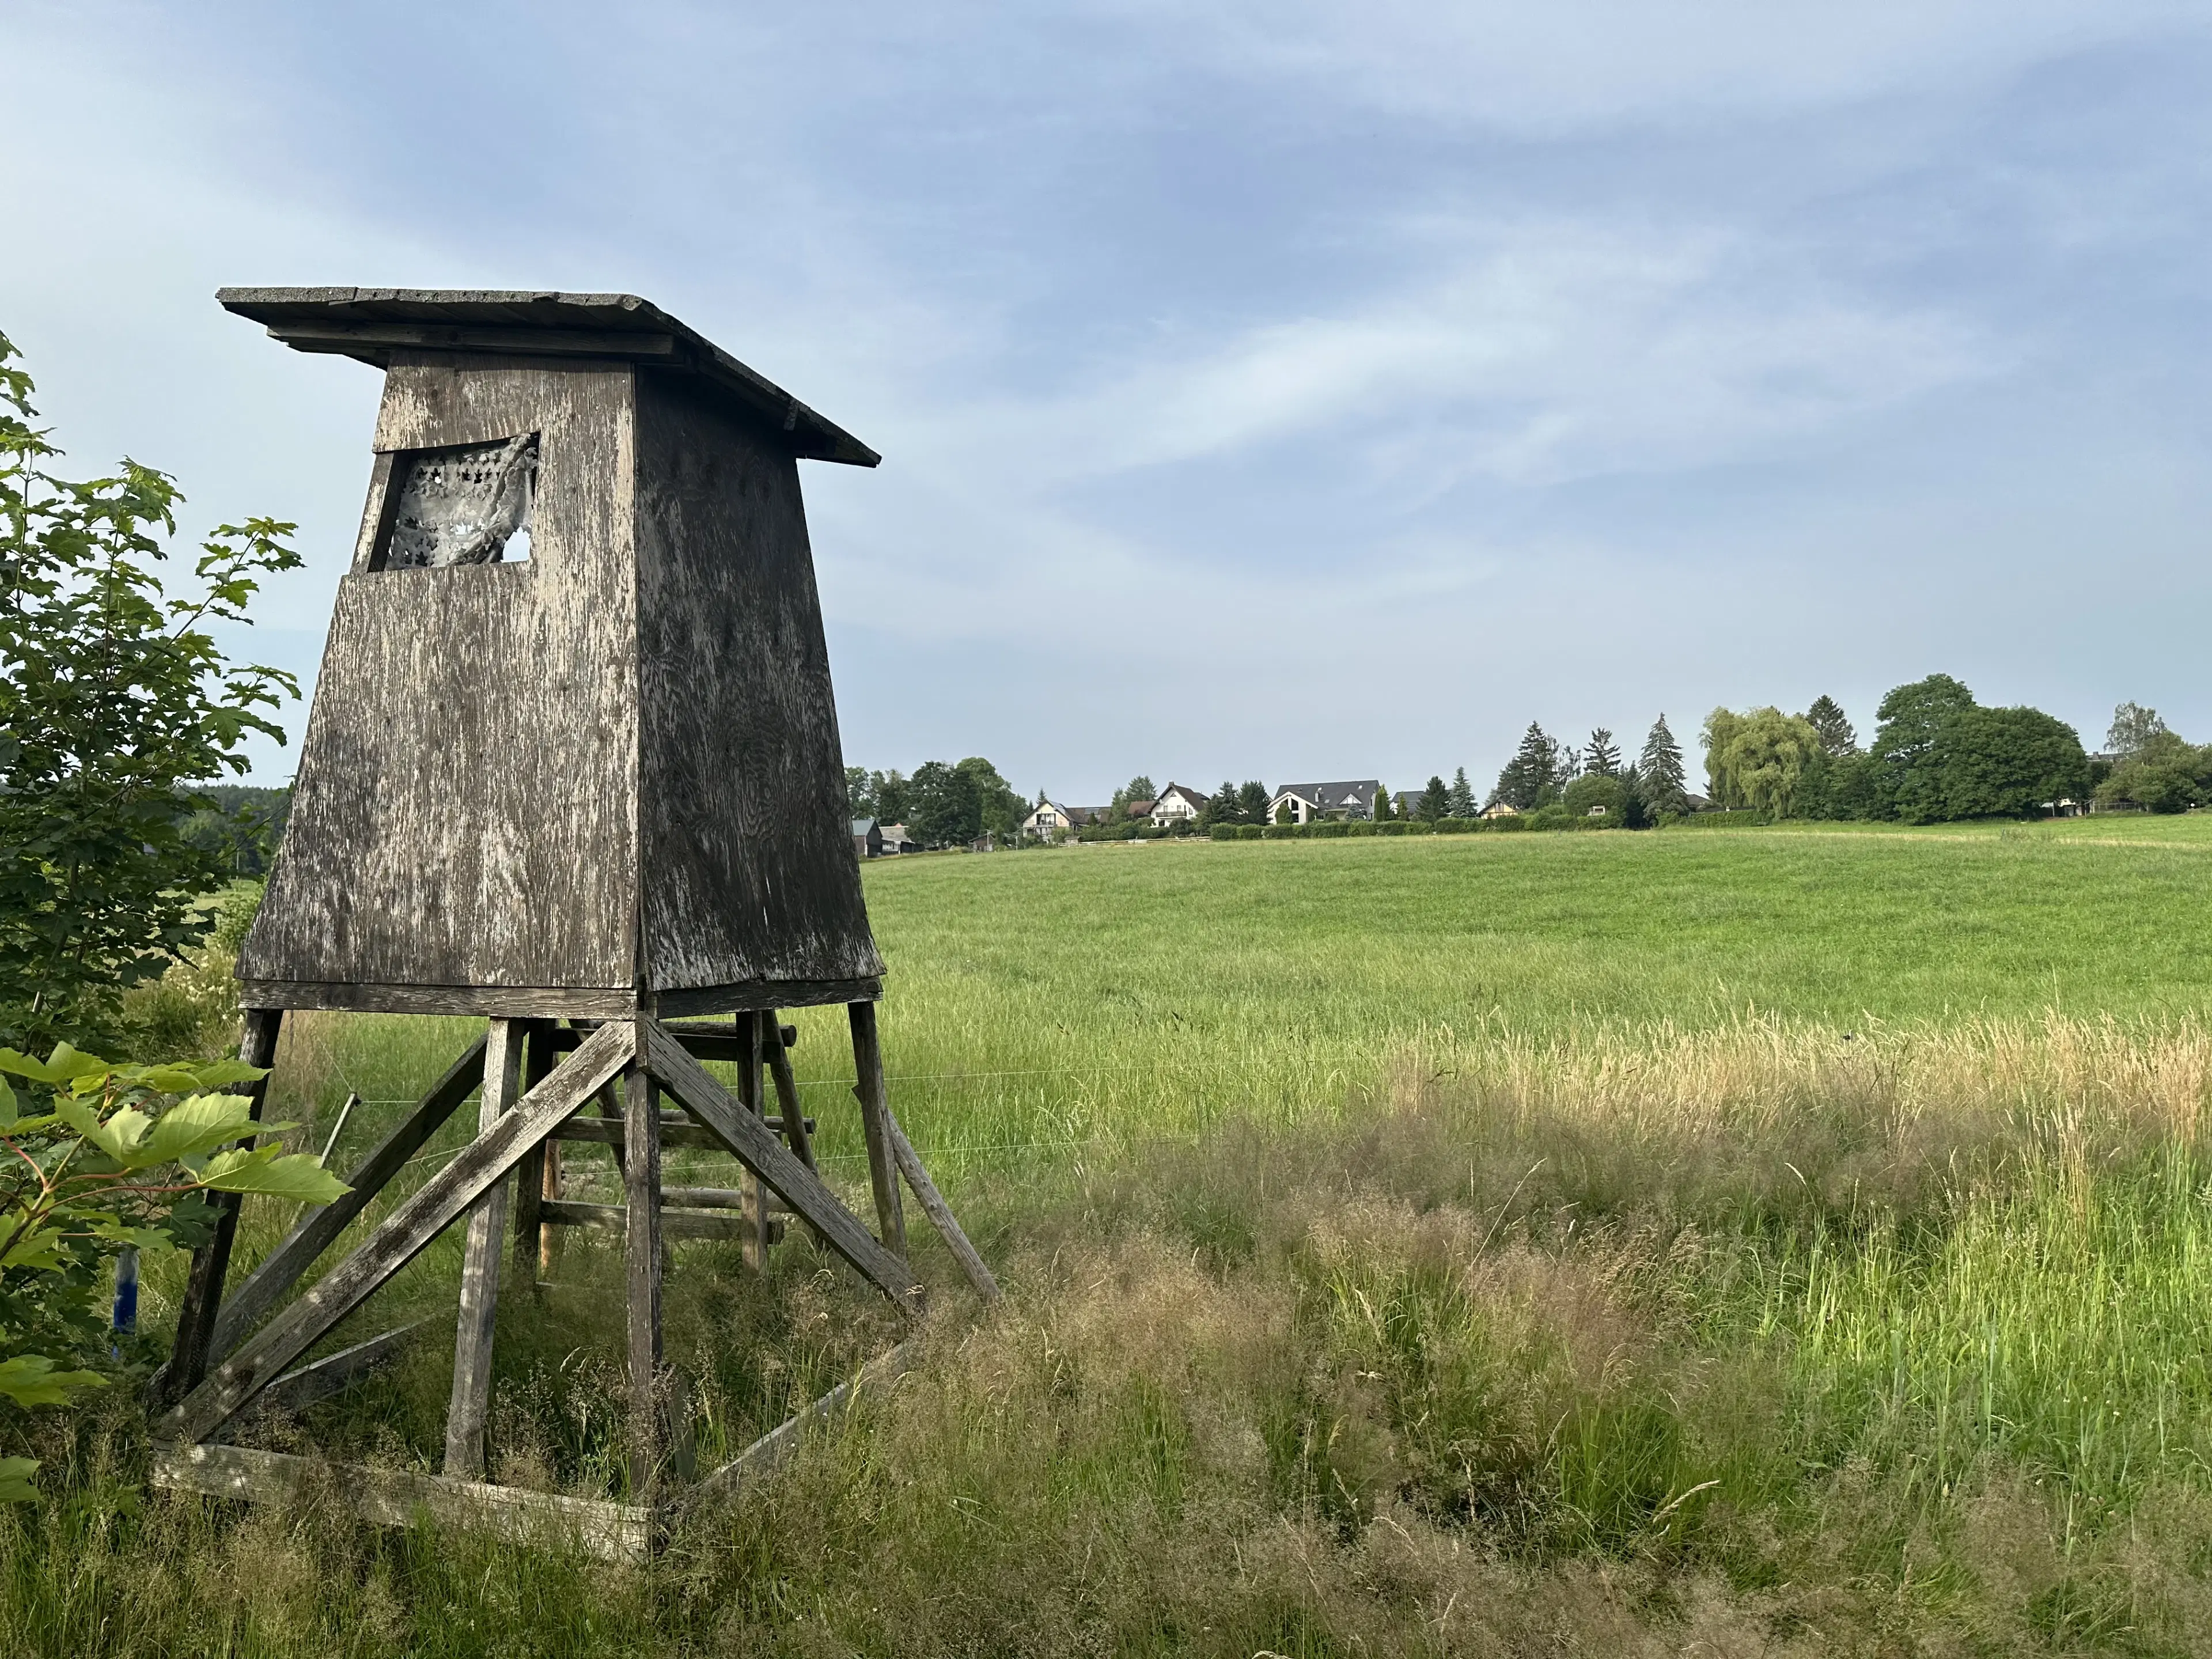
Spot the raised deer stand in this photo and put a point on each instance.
(572, 768)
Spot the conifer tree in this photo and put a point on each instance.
(1252, 802)
(1381, 805)
(1533, 776)
(1827, 718)
(1460, 802)
(1659, 770)
(1435, 800)
(1602, 757)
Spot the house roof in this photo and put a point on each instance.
(1355, 791)
(862, 826)
(1189, 794)
(1138, 808)
(370, 324)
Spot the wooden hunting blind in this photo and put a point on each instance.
(573, 766)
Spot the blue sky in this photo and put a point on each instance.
(1272, 392)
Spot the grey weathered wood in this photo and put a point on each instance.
(624, 1532)
(356, 339)
(470, 1406)
(315, 1231)
(540, 1164)
(402, 1235)
(546, 323)
(199, 1316)
(641, 1268)
(475, 734)
(752, 1096)
(747, 1137)
(675, 1131)
(794, 1121)
(774, 1449)
(299, 1388)
(938, 1212)
(883, 1168)
(694, 1222)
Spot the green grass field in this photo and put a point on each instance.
(1745, 1241)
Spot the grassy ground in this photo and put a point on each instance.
(1747, 1240)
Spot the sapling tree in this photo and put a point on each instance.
(116, 704)
(110, 1158)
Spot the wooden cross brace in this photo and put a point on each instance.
(647, 1057)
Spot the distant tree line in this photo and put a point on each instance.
(1936, 756)
(1558, 783)
(944, 804)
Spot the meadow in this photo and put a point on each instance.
(1750, 1240)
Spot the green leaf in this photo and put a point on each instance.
(39, 1248)
(119, 1137)
(7, 1105)
(30, 1379)
(15, 1475)
(197, 1125)
(217, 1073)
(298, 1176)
(64, 1065)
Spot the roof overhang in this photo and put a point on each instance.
(370, 324)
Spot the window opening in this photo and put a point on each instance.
(470, 504)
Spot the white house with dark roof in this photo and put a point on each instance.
(1049, 819)
(1349, 798)
(1177, 804)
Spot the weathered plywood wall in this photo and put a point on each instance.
(466, 810)
(750, 883)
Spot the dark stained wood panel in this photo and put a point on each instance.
(745, 839)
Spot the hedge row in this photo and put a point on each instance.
(1331, 828)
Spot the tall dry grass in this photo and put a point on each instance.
(1769, 1338)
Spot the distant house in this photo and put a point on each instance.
(897, 838)
(867, 839)
(1050, 818)
(1137, 809)
(1176, 805)
(1696, 804)
(1498, 809)
(1305, 802)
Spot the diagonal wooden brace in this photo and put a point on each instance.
(755, 1145)
(319, 1230)
(405, 1233)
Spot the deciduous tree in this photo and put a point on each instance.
(1252, 802)
(116, 707)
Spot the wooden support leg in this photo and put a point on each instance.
(786, 1091)
(641, 1259)
(883, 1168)
(751, 1096)
(551, 1189)
(203, 1305)
(472, 1401)
(538, 1060)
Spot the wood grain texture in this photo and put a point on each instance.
(466, 812)
(742, 820)
(470, 1406)
(749, 1139)
(318, 1230)
(199, 1316)
(623, 1533)
(403, 1235)
(939, 1213)
(300, 1388)
(641, 1268)
(875, 1109)
(539, 1165)
(686, 1223)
